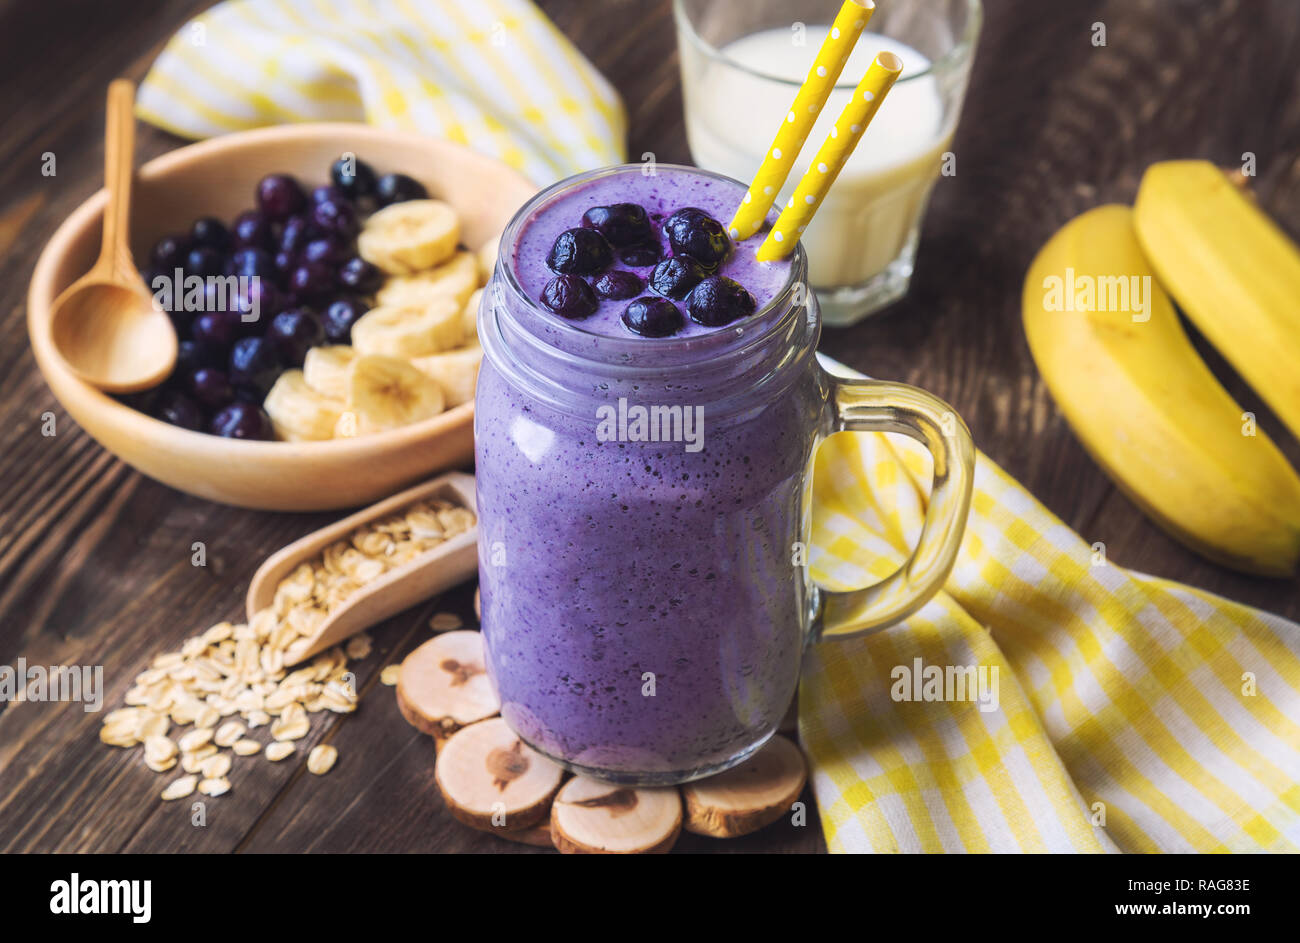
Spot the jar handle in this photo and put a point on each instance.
(878, 406)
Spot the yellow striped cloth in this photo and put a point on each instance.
(1123, 712)
(495, 75)
(1120, 712)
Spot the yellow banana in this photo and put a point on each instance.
(1123, 372)
(387, 393)
(410, 237)
(455, 372)
(298, 412)
(1231, 269)
(455, 278)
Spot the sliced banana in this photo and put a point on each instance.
(326, 370)
(487, 258)
(456, 372)
(408, 332)
(469, 317)
(346, 427)
(298, 412)
(456, 278)
(387, 393)
(410, 237)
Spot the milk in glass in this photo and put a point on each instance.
(871, 212)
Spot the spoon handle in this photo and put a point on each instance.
(119, 161)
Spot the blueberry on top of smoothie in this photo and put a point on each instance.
(617, 285)
(570, 297)
(623, 224)
(653, 317)
(675, 276)
(579, 252)
(641, 256)
(718, 300)
(693, 232)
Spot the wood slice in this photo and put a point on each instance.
(749, 796)
(591, 817)
(492, 780)
(538, 835)
(443, 686)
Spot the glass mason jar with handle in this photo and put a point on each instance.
(644, 603)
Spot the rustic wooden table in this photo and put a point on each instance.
(95, 562)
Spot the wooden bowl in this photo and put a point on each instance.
(217, 177)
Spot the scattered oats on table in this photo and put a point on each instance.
(216, 766)
(196, 739)
(228, 733)
(321, 759)
(193, 762)
(180, 788)
(214, 787)
(389, 675)
(293, 723)
(159, 765)
(446, 622)
(358, 647)
(277, 751)
(237, 670)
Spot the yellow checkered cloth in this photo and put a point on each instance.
(495, 75)
(1119, 712)
(1126, 713)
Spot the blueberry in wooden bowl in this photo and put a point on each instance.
(219, 180)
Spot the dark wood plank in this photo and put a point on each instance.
(94, 559)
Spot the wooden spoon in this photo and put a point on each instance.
(428, 574)
(105, 325)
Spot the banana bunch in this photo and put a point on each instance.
(414, 354)
(1233, 272)
(1102, 328)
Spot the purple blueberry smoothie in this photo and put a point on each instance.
(643, 614)
(660, 196)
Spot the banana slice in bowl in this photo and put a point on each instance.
(325, 370)
(300, 413)
(409, 331)
(457, 278)
(387, 393)
(410, 237)
(455, 372)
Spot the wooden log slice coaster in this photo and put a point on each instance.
(443, 685)
(749, 796)
(591, 817)
(537, 835)
(491, 780)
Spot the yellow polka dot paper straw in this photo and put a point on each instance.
(808, 103)
(828, 163)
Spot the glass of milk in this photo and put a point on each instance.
(742, 62)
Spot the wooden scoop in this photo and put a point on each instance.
(105, 325)
(428, 574)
